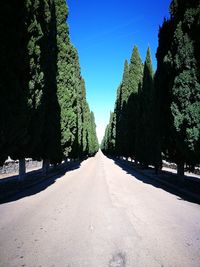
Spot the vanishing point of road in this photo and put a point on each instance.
(99, 215)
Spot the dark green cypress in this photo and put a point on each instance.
(181, 140)
(163, 119)
(119, 137)
(51, 135)
(36, 78)
(75, 113)
(122, 97)
(135, 80)
(77, 102)
(85, 118)
(66, 79)
(108, 142)
(145, 135)
(81, 98)
(104, 142)
(89, 142)
(13, 65)
(126, 118)
(185, 105)
(93, 144)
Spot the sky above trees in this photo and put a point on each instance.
(104, 32)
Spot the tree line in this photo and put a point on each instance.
(157, 116)
(44, 113)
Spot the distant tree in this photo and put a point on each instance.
(84, 122)
(145, 132)
(104, 142)
(122, 97)
(108, 142)
(119, 137)
(126, 104)
(81, 100)
(135, 80)
(93, 140)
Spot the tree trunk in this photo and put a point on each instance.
(55, 166)
(22, 169)
(180, 170)
(45, 167)
(158, 167)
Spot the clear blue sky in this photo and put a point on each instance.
(104, 32)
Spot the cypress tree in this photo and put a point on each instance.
(75, 112)
(163, 119)
(145, 150)
(87, 128)
(43, 109)
(135, 80)
(185, 106)
(126, 117)
(66, 79)
(135, 71)
(119, 137)
(108, 142)
(42, 94)
(85, 118)
(104, 143)
(13, 104)
(35, 74)
(81, 99)
(51, 135)
(77, 87)
(122, 97)
(93, 143)
(183, 86)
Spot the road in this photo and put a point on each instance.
(99, 215)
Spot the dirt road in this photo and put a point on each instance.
(99, 216)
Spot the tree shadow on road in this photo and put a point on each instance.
(172, 189)
(38, 183)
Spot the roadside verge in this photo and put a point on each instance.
(11, 186)
(189, 189)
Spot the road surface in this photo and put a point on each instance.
(99, 215)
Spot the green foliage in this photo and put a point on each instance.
(77, 134)
(162, 113)
(43, 106)
(181, 135)
(145, 132)
(51, 135)
(126, 114)
(35, 75)
(93, 141)
(108, 142)
(67, 64)
(122, 98)
(90, 141)
(13, 104)
(135, 81)
(135, 71)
